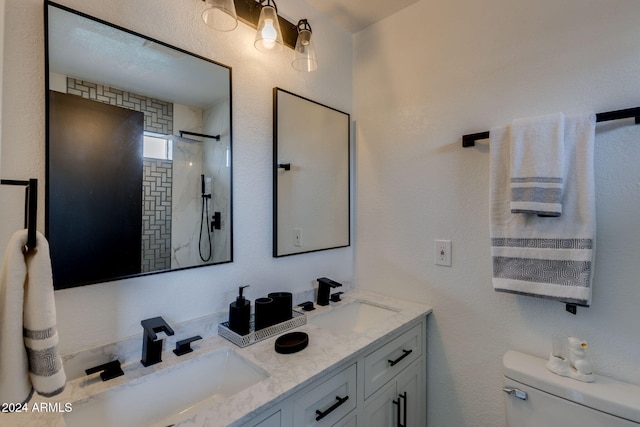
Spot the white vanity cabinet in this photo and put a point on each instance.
(395, 382)
(391, 358)
(327, 403)
(323, 404)
(361, 391)
(402, 402)
(272, 420)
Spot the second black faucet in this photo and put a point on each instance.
(151, 345)
(324, 289)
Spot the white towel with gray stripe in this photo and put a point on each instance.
(29, 357)
(537, 165)
(549, 257)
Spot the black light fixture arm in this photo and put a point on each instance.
(303, 24)
(265, 3)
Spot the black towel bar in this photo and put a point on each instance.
(201, 135)
(470, 139)
(30, 207)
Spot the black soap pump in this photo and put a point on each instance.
(240, 314)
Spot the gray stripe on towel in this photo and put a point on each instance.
(44, 363)
(514, 242)
(537, 179)
(536, 194)
(544, 214)
(41, 334)
(565, 273)
(52, 393)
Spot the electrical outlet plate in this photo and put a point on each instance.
(297, 237)
(442, 253)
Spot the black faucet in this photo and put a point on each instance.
(324, 289)
(184, 346)
(107, 370)
(151, 345)
(336, 297)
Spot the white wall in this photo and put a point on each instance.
(438, 70)
(101, 313)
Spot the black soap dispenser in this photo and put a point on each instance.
(240, 314)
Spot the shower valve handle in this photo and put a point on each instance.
(216, 222)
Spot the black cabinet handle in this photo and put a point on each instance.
(404, 409)
(398, 415)
(404, 399)
(405, 353)
(340, 401)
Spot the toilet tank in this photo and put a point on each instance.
(552, 400)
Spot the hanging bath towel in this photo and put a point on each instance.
(537, 165)
(549, 257)
(29, 357)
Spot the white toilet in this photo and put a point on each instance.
(535, 397)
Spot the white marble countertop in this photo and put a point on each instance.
(287, 372)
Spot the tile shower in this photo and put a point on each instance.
(171, 209)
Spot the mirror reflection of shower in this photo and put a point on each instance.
(205, 255)
(201, 229)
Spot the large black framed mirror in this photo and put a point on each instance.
(138, 153)
(311, 175)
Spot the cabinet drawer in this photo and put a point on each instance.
(329, 401)
(274, 420)
(387, 361)
(348, 421)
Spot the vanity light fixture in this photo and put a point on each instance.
(268, 34)
(221, 15)
(304, 58)
(273, 32)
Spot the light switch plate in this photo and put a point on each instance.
(442, 253)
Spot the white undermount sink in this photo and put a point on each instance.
(355, 316)
(162, 398)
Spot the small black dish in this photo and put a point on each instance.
(292, 342)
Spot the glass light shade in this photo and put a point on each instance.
(221, 15)
(268, 35)
(304, 58)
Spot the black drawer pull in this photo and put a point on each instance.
(340, 401)
(405, 354)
